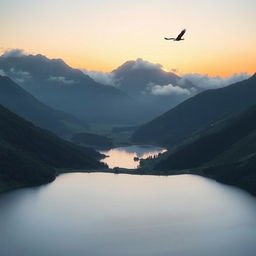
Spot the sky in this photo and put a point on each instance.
(103, 34)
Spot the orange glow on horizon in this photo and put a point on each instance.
(210, 67)
(102, 35)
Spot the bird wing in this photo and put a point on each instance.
(171, 38)
(181, 34)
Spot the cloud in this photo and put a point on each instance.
(19, 76)
(21, 73)
(168, 89)
(204, 82)
(14, 53)
(61, 79)
(102, 77)
(2, 73)
(19, 80)
(143, 64)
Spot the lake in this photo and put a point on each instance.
(123, 157)
(102, 214)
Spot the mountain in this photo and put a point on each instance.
(203, 113)
(147, 82)
(134, 76)
(29, 155)
(228, 155)
(56, 84)
(27, 106)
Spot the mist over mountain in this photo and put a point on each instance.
(134, 93)
(135, 76)
(27, 106)
(150, 84)
(146, 82)
(140, 77)
(156, 88)
(62, 87)
(136, 98)
(206, 111)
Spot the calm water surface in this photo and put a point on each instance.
(100, 214)
(124, 156)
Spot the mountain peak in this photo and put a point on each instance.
(138, 64)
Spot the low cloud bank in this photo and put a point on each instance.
(19, 76)
(167, 90)
(200, 83)
(205, 82)
(61, 79)
(102, 77)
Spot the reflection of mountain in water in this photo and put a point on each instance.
(126, 157)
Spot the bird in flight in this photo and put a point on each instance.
(178, 38)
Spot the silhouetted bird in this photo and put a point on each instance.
(178, 38)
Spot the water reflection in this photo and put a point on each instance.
(113, 215)
(125, 157)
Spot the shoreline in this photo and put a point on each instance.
(11, 186)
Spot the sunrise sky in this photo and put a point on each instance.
(103, 34)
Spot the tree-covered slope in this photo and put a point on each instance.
(228, 155)
(29, 155)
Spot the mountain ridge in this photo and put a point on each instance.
(206, 111)
(27, 106)
(228, 155)
(30, 155)
(61, 87)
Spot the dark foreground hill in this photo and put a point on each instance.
(27, 106)
(228, 155)
(207, 111)
(30, 155)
